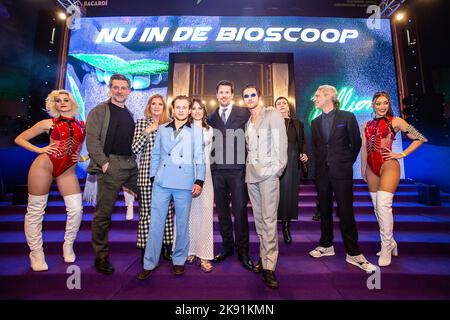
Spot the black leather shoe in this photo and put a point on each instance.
(104, 266)
(247, 263)
(258, 267)
(316, 216)
(223, 255)
(269, 279)
(287, 232)
(178, 270)
(167, 252)
(144, 274)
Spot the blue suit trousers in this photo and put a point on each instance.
(160, 204)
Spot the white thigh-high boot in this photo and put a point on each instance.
(33, 230)
(74, 208)
(373, 196)
(129, 201)
(386, 223)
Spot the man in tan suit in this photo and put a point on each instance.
(266, 139)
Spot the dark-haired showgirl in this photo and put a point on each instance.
(380, 167)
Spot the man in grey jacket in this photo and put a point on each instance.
(109, 135)
(266, 140)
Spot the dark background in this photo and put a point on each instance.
(29, 64)
(26, 29)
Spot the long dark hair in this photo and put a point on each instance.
(292, 112)
(205, 113)
(378, 94)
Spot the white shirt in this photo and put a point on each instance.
(251, 136)
(227, 113)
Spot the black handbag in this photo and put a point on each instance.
(304, 169)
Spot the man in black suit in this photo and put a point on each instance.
(336, 142)
(228, 173)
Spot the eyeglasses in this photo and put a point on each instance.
(246, 96)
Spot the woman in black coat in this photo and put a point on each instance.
(296, 166)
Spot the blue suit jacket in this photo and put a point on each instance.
(177, 163)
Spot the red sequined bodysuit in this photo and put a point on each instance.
(68, 133)
(379, 135)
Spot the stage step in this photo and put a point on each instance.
(312, 188)
(304, 241)
(420, 272)
(306, 208)
(407, 196)
(406, 222)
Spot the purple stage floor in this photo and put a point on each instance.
(422, 270)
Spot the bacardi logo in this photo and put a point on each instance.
(96, 3)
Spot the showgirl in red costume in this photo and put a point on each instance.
(55, 161)
(380, 167)
(379, 135)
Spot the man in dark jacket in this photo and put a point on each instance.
(228, 173)
(336, 142)
(109, 135)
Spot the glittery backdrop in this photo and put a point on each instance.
(357, 67)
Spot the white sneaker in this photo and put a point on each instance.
(37, 260)
(361, 262)
(322, 252)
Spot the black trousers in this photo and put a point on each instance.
(230, 185)
(343, 192)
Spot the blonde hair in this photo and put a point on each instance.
(330, 91)
(165, 113)
(50, 103)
